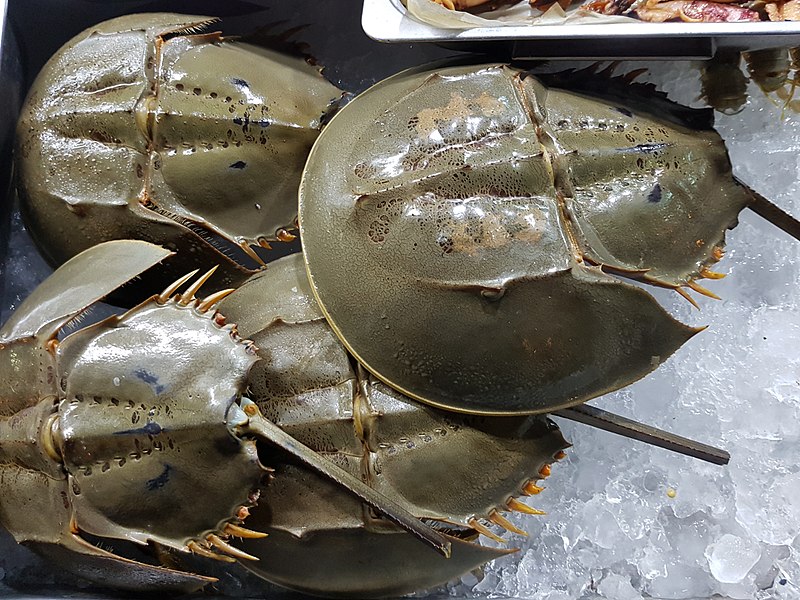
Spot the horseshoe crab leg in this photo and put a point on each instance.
(265, 430)
(607, 421)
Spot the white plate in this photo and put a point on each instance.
(388, 21)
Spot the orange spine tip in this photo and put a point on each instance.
(701, 290)
(686, 295)
(170, 289)
(225, 547)
(285, 236)
(252, 253)
(200, 551)
(544, 471)
(214, 299)
(560, 455)
(708, 274)
(237, 531)
(531, 489)
(188, 295)
(516, 505)
(473, 522)
(498, 519)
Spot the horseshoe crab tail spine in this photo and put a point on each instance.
(596, 417)
(265, 430)
(772, 213)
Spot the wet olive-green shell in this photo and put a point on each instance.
(144, 127)
(124, 430)
(463, 227)
(441, 466)
(114, 430)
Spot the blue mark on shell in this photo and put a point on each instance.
(159, 482)
(239, 164)
(151, 428)
(655, 194)
(150, 379)
(240, 83)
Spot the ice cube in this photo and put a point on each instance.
(731, 557)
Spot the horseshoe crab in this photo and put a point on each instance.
(471, 245)
(155, 127)
(106, 431)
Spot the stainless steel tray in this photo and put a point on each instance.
(389, 21)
